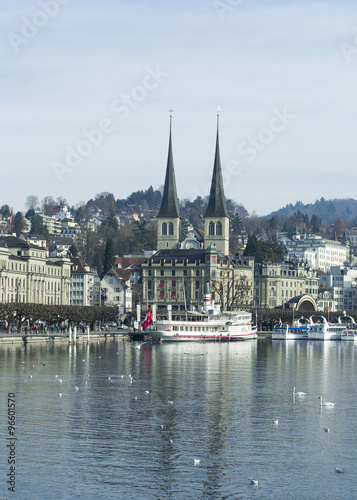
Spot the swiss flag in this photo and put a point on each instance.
(147, 319)
(10, 220)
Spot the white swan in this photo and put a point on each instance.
(327, 403)
(298, 393)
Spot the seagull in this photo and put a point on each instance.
(196, 461)
(326, 429)
(170, 402)
(328, 403)
(30, 376)
(254, 481)
(170, 441)
(147, 392)
(339, 471)
(60, 395)
(77, 388)
(298, 393)
(60, 380)
(139, 345)
(276, 422)
(161, 426)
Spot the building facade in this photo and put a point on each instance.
(28, 275)
(85, 284)
(276, 284)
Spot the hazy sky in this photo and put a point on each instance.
(86, 87)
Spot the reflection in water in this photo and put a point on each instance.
(140, 418)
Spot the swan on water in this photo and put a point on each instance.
(298, 393)
(327, 403)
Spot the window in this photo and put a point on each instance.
(162, 272)
(197, 285)
(164, 229)
(173, 283)
(149, 285)
(161, 285)
(211, 228)
(185, 273)
(185, 262)
(173, 294)
(161, 294)
(197, 273)
(171, 229)
(116, 290)
(173, 273)
(219, 229)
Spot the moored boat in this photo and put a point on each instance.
(298, 331)
(210, 325)
(324, 330)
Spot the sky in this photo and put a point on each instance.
(86, 88)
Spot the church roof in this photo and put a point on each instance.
(217, 203)
(169, 205)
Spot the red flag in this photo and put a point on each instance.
(147, 319)
(10, 220)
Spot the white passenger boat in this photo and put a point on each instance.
(298, 331)
(210, 325)
(325, 330)
(350, 332)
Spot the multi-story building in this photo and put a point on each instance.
(28, 275)
(318, 252)
(341, 285)
(176, 274)
(277, 284)
(116, 290)
(85, 284)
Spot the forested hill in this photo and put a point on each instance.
(326, 210)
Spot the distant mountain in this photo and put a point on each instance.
(326, 210)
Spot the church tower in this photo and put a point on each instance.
(168, 218)
(216, 216)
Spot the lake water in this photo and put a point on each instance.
(105, 437)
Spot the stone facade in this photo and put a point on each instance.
(28, 275)
(277, 284)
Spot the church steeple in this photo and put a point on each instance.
(168, 218)
(169, 204)
(216, 215)
(217, 203)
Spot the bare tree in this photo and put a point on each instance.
(232, 292)
(48, 205)
(32, 202)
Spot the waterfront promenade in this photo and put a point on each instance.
(18, 338)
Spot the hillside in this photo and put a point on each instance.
(326, 210)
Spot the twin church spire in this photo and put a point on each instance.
(216, 216)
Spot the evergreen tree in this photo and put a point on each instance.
(18, 224)
(109, 256)
(73, 250)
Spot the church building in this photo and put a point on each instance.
(176, 274)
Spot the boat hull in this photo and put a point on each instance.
(168, 336)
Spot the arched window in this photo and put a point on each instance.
(219, 229)
(211, 229)
(171, 229)
(164, 229)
